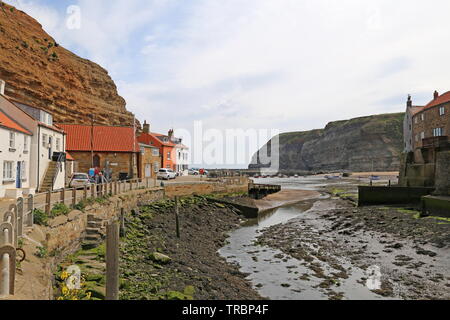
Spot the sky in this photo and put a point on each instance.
(264, 65)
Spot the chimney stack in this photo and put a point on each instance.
(146, 127)
(2, 87)
(436, 95)
(170, 134)
(409, 102)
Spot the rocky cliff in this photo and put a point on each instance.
(371, 143)
(40, 72)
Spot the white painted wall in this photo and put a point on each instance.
(41, 151)
(182, 159)
(8, 187)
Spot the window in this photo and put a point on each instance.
(441, 111)
(155, 152)
(438, 132)
(168, 155)
(24, 170)
(12, 140)
(156, 167)
(58, 144)
(44, 140)
(422, 135)
(25, 144)
(422, 117)
(415, 120)
(8, 169)
(417, 138)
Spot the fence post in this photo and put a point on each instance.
(177, 220)
(20, 217)
(85, 192)
(48, 199)
(112, 261)
(63, 196)
(74, 197)
(122, 222)
(7, 270)
(30, 210)
(93, 188)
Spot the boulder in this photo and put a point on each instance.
(160, 258)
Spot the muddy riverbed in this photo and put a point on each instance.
(325, 248)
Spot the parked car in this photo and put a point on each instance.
(79, 180)
(166, 174)
(194, 172)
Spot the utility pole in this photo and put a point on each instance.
(92, 140)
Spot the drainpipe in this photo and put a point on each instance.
(39, 157)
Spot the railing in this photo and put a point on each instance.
(10, 229)
(72, 196)
(435, 142)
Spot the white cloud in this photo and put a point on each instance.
(285, 64)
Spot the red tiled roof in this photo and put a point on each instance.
(443, 98)
(416, 109)
(106, 139)
(7, 122)
(147, 137)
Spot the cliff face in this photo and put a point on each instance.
(40, 72)
(361, 144)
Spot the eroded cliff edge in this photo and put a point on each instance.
(40, 72)
(360, 144)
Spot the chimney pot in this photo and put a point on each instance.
(436, 95)
(146, 127)
(2, 86)
(409, 102)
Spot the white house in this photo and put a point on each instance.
(47, 166)
(182, 160)
(14, 158)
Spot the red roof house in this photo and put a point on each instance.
(112, 149)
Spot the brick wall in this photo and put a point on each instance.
(432, 120)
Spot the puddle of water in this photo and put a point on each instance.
(276, 275)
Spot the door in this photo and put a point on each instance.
(96, 161)
(148, 170)
(19, 175)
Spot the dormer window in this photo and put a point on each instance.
(46, 118)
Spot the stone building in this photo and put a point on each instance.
(174, 155)
(426, 161)
(149, 161)
(112, 149)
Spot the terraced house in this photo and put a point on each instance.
(427, 145)
(174, 155)
(43, 152)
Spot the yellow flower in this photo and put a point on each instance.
(64, 275)
(65, 290)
